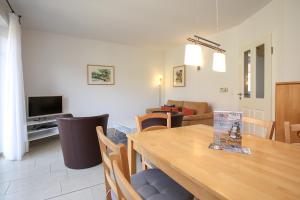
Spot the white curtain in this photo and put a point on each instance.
(3, 49)
(13, 98)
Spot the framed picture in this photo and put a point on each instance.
(100, 75)
(179, 76)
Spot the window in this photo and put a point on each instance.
(247, 74)
(260, 71)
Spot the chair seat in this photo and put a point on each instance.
(153, 184)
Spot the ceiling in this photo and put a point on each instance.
(150, 23)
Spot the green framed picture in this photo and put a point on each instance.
(100, 75)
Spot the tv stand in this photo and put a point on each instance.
(43, 126)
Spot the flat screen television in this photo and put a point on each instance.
(44, 105)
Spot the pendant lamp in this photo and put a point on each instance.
(219, 60)
(193, 55)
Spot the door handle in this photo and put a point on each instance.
(240, 95)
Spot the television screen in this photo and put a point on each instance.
(45, 105)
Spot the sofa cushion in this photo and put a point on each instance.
(187, 111)
(198, 117)
(177, 104)
(153, 184)
(151, 110)
(169, 108)
(200, 107)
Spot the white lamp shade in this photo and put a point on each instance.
(219, 62)
(193, 55)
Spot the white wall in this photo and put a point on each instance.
(278, 20)
(57, 65)
(291, 41)
(3, 14)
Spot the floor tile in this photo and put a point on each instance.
(85, 194)
(50, 186)
(23, 196)
(12, 166)
(98, 192)
(58, 168)
(24, 173)
(42, 175)
(81, 181)
(75, 172)
(3, 187)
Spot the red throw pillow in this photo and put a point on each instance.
(187, 111)
(169, 109)
(166, 108)
(175, 109)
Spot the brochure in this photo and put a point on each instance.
(227, 132)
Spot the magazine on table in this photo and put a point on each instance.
(227, 132)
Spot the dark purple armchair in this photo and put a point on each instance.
(79, 140)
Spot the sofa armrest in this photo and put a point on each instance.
(151, 110)
(209, 115)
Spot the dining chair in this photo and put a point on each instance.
(150, 122)
(269, 125)
(153, 121)
(106, 148)
(176, 118)
(148, 184)
(125, 190)
(289, 129)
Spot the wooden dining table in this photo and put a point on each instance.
(271, 171)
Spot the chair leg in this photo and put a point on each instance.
(108, 191)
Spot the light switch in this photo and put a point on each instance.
(224, 90)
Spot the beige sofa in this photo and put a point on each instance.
(204, 114)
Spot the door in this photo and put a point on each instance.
(255, 97)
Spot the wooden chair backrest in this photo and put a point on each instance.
(107, 147)
(269, 125)
(125, 190)
(288, 129)
(140, 119)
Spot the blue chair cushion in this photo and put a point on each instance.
(153, 184)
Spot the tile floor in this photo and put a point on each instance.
(43, 175)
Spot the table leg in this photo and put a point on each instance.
(131, 157)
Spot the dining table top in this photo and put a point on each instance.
(271, 171)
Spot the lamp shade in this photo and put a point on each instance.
(219, 62)
(193, 55)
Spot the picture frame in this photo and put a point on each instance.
(179, 76)
(100, 75)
